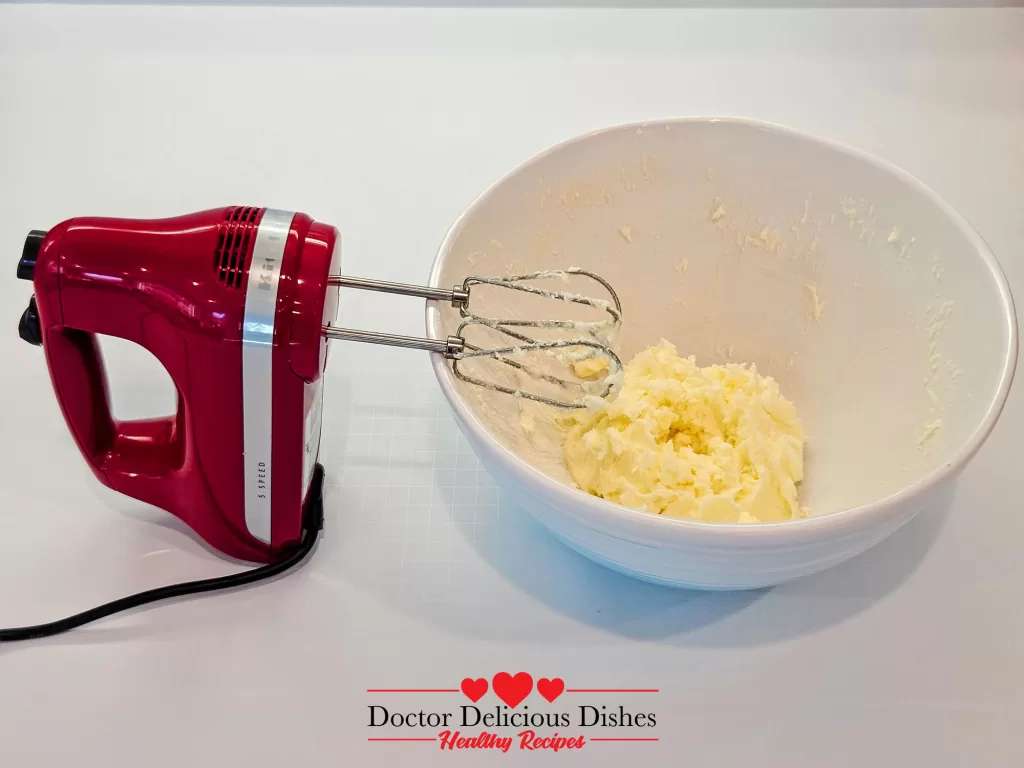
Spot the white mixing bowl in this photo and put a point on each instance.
(718, 234)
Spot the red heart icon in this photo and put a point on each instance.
(550, 689)
(474, 689)
(512, 690)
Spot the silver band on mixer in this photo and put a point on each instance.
(257, 367)
(594, 338)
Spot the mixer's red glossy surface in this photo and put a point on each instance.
(177, 287)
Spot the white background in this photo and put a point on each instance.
(387, 123)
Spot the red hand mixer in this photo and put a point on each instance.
(238, 305)
(242, 344)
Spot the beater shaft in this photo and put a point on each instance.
(458, 295)
(449, 347)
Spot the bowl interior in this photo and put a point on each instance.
(878, 310)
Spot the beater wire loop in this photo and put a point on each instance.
(594, 338)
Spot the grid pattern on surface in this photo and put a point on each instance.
(403, 483)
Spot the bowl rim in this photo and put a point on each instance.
(636, 525)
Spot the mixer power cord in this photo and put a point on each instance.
(312, 525)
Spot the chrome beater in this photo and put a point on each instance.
(593, 339)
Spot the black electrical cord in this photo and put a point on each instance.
(312, 526)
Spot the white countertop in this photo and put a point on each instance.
(387, 123)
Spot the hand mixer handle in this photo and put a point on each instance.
(78, 298)
(137, 458)
(81, 386)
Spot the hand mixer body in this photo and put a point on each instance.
(232, 302)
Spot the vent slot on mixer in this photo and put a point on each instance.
(233, 244)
